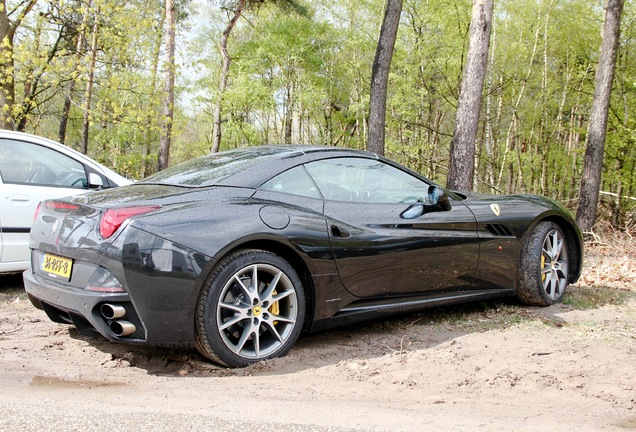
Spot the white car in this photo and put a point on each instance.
(33, 169)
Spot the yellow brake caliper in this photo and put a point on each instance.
(542, 267)
(275, 308)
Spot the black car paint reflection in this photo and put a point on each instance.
(356, 259)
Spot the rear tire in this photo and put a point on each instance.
(251, 308)
(542, 278)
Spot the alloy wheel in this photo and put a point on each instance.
(554, 265)
(257, 311)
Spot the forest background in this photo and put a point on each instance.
(91, 74)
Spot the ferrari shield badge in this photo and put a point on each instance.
(495, 209)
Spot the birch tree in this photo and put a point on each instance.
(225, 68)
(90, 76)
(593, 165)
(380, 75)
(462, 153)
(68, 100)
(168, 104)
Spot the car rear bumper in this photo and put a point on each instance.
(161, 282)
(84, 309)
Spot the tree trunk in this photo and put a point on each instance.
(225, 68)
(510, 139)
(489, 129)
(66, 111)
(150, 115)
(7, 82)
(593, 164)
(462, 154)
(289, 111)
(544, 139)
(380, 76)
(89, 85)
(168, 106)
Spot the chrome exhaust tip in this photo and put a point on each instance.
(122, 328)
(111, 311)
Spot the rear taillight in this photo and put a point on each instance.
(37, 211)
(114, 218)
(60, 207)
(63, 207)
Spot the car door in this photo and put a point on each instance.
(387, 235)
(29, 174)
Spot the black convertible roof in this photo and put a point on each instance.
(247, 166)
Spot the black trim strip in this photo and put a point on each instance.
(15, 230)
(376, 305)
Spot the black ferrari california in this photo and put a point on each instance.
(238, 252)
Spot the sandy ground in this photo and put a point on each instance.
(488, 366)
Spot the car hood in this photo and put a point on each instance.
(537, 200)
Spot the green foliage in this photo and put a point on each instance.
(280, 75)
(300, 74)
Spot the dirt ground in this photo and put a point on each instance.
(486, 366)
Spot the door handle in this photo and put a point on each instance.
(19, 197)
(337, 232)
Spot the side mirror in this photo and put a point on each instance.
(95, 181)
(437, 201)
(413, 211)
(438, 196)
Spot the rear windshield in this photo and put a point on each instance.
(212, 169)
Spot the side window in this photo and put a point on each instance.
(27, 163)
(366, 180)
(295, 181)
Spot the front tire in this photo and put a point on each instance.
(543, 267)
(251, 308)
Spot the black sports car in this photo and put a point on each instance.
(236, 253)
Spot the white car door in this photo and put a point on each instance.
(29, 174)
(18, 206)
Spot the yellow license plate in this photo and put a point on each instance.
(57, 266)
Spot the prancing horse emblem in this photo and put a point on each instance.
(495, 209)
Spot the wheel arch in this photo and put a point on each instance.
(574, 242)
(286, 252)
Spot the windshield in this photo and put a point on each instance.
(212, 169)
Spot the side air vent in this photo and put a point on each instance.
(499, 230)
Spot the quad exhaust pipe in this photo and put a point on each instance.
(122, 328)
(111, 311)
(119, 327)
